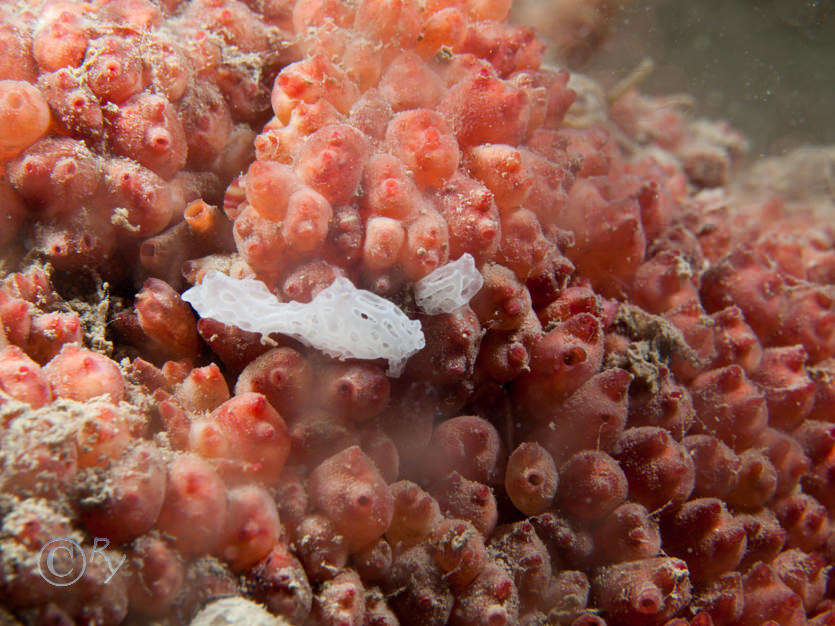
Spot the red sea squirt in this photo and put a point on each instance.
(629, 424)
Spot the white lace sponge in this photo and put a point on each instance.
(449, 287)
(341, 321)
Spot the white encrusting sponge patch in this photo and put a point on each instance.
(341, 321)
(449, 287)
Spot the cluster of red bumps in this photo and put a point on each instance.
(631, 424)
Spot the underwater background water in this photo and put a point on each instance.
(766, 66)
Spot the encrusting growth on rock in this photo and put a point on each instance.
(615, 394)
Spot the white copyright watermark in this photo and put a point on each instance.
(62, 561)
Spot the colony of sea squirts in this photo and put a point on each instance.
(630, 424)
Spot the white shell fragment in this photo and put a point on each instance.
(341, 321)
(449, 287)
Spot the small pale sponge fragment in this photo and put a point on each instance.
(341, 321)
(449, 287)
(234, 611)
